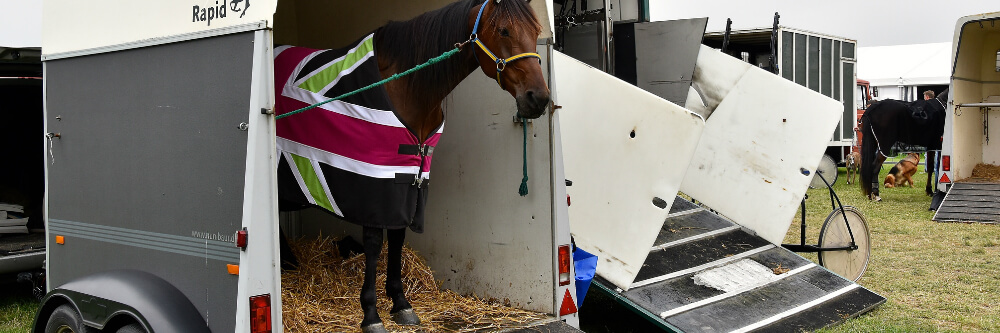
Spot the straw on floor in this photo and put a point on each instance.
(322, 296)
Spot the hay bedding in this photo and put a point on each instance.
(988, 171)
(322, 296)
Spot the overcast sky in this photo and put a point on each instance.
(870, 22)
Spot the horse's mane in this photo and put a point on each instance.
(410, 43)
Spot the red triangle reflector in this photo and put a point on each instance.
(944, 178)
(568, 305)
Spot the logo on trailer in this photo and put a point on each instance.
(207, 14)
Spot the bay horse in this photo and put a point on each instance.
(366, 158)
(889, 121)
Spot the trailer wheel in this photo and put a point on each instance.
(65, 319)
(131, 328)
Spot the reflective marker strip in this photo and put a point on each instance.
(694, 238)
(796, 309)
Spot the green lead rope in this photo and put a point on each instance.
(523, 191)
(432, 61)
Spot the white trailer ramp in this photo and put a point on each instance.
(680, 265)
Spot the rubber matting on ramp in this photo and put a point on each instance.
(707, 274)
(974, 201)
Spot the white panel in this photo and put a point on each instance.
(615, 176)
(76, 25)
(763, 132)
(480, 236)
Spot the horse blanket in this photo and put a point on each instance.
(353, 157)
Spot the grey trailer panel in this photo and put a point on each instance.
(148, 173)
(812, 59)
(585, 42)
(826, 68)
(787, 55)
(666, 53)
(800, 59)
(848, 50)
(850, 116)
(837, 72)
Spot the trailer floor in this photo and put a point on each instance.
(11, 244)
(783, 291)
(973, 200)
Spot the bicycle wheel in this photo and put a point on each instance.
(849, 264)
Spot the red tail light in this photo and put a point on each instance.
(260, 314)
(564, 262)
(946, 162)
(241, 239)
(568, 201)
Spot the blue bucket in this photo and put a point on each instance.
(585, 265)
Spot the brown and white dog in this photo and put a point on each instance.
(853, 163)
(902, 172)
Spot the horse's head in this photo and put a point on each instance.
(507, 31)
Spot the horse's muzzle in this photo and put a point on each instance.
(532, 103)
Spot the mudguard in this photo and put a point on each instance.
(153, 302)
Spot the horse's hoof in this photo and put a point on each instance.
(405, 317)
(374, 328)
(876, 198)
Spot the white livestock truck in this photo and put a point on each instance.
(973, 103)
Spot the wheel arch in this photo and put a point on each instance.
(115, 297)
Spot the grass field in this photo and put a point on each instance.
(17, 307)
(938, 277)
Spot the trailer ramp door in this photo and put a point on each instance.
(706, 274)
(762, 142)
(626, 152)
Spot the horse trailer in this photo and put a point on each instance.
(161, 206)
(973, 103)
(821, 62)
(22, 236)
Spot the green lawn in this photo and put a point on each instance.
(937, 277)
(17, 308)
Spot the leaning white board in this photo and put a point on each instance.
(763, 132)
(622, 147)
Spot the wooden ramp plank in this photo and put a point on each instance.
(971, 202)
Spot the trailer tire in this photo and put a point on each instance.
(131, 328)
(65, 319)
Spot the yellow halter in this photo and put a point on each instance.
(500, 62)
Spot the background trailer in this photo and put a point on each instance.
(823, 63)
(970, 158)
(166, 150)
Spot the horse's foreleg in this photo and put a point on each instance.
(373, 247)
(879, 159)
(402, 312)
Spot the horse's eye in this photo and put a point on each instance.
(504, 32)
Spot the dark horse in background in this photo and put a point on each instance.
(496, 36)
(889, 121)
